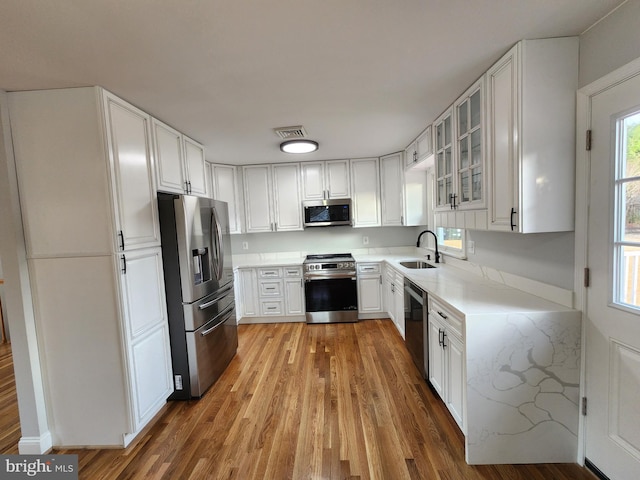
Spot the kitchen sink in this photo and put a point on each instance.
(417, 264)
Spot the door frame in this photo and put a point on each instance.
(583, 175)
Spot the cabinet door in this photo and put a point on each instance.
(313, 181)
(424, 144)
(151, 374)
(169, 158)
(398, 293)
(389, 299)
(445, 176)
(146, 331)
(247, 293)
(502, 108)
(366, 192)
(410, 155)
(436, 356)
(224, 185)
(293, 296)
(337, 179)
(454, 352)
(257, 198)
(391, 183)
(287, 199)
(369, 293)
(469, 147)
(133, 174)
(415, 198)
(195, 167)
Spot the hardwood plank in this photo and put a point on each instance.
(337, 401)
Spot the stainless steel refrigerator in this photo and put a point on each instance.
(198, 274)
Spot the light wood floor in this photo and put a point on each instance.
(310, 402)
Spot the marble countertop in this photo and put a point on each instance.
(465, 292)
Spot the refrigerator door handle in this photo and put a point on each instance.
(224, 293)
(218, 242)
(226, 314)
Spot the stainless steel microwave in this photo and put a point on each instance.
(327, 213)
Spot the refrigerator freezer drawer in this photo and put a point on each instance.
(210, 349)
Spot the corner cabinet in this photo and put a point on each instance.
(180, 162)
(403, 193)
(224, 187)
(365, 190)
(96, 268)
(531, 132)
(272, 197)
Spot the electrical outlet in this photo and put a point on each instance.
(245, 245)
(365, 240)
(471, 246)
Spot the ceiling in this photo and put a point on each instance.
(364, 77)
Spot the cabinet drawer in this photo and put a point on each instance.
(369, 268)
(270, 288)
(271, 307)
(445, 314)
(272, 272)
(292, 271)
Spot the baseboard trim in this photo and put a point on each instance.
(595, 470)
(35, 445)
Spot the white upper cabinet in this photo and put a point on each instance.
(130, 154)
(420, 149)
(180, 162)
(224, 186)
(195, 166)
(286, 196)
(391, 190)
(444, 160)
(469, 148)
(272, 198)
(459, 152)
(365, 190)
(531, 132)
(258, 198)
(325, 180)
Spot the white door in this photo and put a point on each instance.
(613, 300)
(391, 178)
(257, 199)
(195, 165)
(287, 198)
(169, 163)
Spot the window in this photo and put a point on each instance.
(626, 241)
(451, 241)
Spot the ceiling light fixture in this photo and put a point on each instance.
(299, 146)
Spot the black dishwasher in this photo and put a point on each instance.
(415, 324)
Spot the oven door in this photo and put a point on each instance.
(330, 299)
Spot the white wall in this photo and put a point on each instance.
(325, 240)
(611, 43)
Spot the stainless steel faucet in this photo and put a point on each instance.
(435, 238)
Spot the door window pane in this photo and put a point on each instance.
(447, 160)
(626, 282)
(476, 179)
(476, 153)
(447, 130)
(465, 187)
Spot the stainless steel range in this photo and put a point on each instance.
(330, 288)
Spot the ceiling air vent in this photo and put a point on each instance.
(289, 133)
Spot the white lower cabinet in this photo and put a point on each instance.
(447, 359)
(393, 294)
(370, 290)
(270, 292)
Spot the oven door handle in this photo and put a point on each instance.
(330, 277)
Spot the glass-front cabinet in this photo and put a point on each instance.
(445, 193)
(469, 142)
(459, 150)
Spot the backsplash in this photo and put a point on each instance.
(325, 240)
